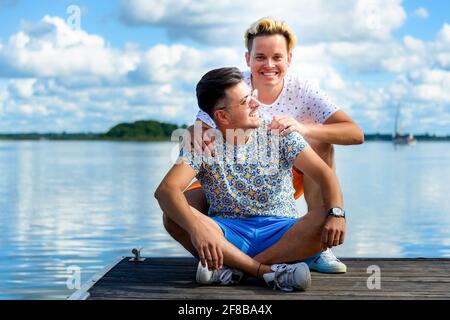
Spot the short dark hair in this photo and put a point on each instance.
(211, 87)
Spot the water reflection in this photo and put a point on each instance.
(397, 198)
(86, 203)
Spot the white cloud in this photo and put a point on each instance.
(51, 48)
(65, 79)
(22, 88)
(444, 36)
(3, 97)
(420, 82)
(443, 59)
(224, 22)
(60, 74)
(404, 58)
(431, 85)
(28, 109)
(442, 47)
(393, 56)
(166, 64)
(313, 63)
(364, 57)
(421, 13)
(378, 18)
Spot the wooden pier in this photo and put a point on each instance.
(174, 278)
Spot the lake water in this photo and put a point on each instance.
(84, 204)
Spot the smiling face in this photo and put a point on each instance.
(240, 110)
(269, 61)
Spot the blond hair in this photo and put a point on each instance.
(269, 26)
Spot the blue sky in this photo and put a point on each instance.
(138, 59)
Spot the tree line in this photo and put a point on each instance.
(142, 130)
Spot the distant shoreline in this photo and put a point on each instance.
(155, 131)
(142, 130)
(420, 137)
(104, 137)
(75, 137)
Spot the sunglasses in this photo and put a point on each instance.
(244, 101)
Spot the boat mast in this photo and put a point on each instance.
(397, 115)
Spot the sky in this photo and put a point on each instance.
(84, 66)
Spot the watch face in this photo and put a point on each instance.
(338, 211)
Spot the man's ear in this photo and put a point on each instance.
(289, 58)
(247, 58)
(222, 117)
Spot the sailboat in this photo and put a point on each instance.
(398, 138)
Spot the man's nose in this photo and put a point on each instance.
(269, 63)
(254, 103)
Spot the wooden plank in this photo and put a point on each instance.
(83, 292)
(174, 278)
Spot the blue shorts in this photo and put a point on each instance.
(256, 234)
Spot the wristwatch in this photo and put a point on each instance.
(337, 212)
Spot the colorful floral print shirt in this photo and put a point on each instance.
(252, 179)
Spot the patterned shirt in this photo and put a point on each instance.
(252, 179)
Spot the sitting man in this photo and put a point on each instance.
(251, 225)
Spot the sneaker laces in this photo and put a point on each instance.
(223, 276)
(328, 256)
(284, 277)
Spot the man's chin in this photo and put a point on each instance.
(273, 80)
(256, 123)
(251, 124)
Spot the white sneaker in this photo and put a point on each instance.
(288, 277)
(327, 262)
(223, 276)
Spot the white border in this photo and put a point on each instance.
(82, 293)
